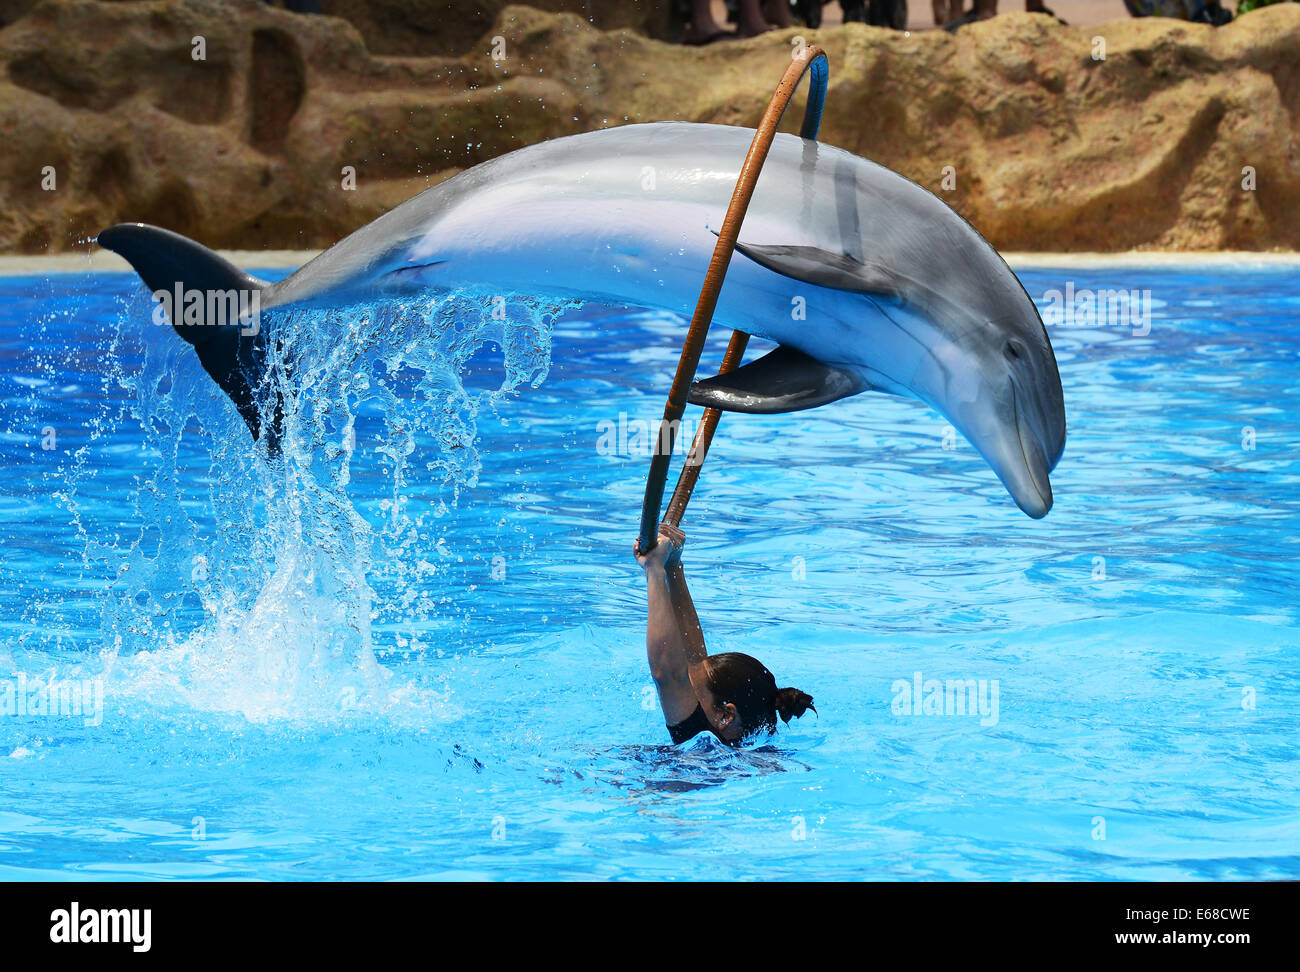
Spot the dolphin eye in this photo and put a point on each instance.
(1014, 350)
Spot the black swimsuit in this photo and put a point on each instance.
(694, 724)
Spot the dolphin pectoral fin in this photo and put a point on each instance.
(783, 380)
(199, 282)
(811, 264)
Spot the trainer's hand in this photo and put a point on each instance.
(666, 552)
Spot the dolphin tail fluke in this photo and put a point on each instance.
(211, 303)
(164, 259)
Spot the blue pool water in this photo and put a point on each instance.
(416, 650)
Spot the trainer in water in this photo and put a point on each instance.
(731, 695)
(865, 280)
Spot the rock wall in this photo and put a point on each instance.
(418, 28)
(1049, 148)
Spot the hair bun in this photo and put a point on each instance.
(791, 703)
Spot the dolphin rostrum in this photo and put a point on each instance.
(864, 279)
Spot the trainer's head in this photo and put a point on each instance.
(739, 696)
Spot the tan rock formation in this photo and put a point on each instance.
(247, 147)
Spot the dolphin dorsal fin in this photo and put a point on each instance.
(783, 380)
(826, 268)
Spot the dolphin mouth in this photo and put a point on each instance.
(1031, 488)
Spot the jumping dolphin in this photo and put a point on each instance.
(864, 279)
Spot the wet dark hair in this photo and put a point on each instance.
(745, 682)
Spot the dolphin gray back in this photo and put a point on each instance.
(809, 193)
